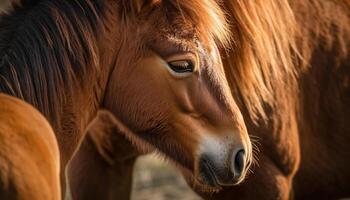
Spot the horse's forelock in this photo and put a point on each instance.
(208, 17)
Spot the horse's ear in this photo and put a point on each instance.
(140, 5)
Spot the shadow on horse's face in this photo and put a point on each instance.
(175, 98)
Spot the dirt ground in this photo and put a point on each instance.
(156, 180)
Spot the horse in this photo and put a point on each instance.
(288, 70)
(167, 86)
(29, 155)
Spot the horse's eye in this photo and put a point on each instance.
(181, 66)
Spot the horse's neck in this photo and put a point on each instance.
(51, 60)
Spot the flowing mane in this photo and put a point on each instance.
(44, 46)
(260, 63)
(273, 42)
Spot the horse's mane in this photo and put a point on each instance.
(273, 43)
(44, 46)
(261, 59)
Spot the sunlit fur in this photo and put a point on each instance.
(29, 156)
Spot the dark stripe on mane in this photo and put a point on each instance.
(45, 46)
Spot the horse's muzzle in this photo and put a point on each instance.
(219, 169)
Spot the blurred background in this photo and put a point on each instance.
(153, 179)
(3, 4)
(156, 180)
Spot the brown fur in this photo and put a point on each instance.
(289, 69)
(29, 156)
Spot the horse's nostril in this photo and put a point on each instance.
(239, 163)
(222, 169)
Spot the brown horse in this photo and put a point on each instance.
(153, 64)
(29, 156)
(289, 71)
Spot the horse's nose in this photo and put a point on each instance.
(221, 168)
